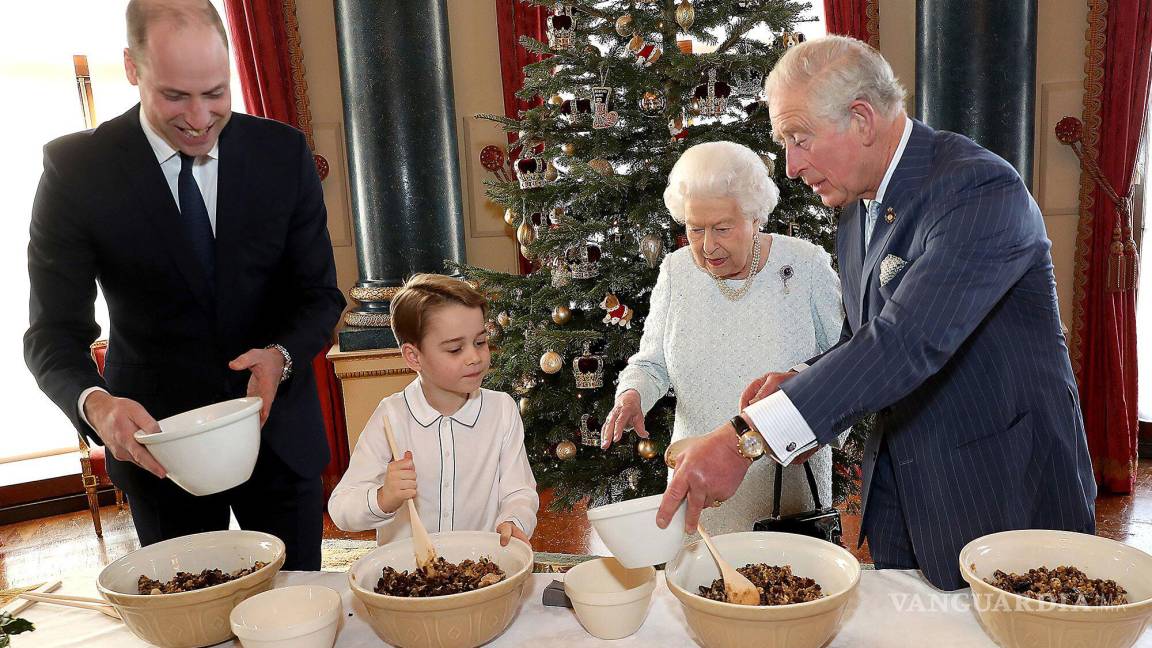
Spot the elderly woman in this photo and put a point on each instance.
(735, 303)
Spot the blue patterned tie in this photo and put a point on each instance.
(194, 214)
(870, 222)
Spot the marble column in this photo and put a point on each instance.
(400, 128)
(976, 73)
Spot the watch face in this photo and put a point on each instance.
(751, 445)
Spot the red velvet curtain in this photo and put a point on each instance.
(266, 42)
(1104, 328)
(513, 20)
(859, 19)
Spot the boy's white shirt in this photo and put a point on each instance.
(472, 471)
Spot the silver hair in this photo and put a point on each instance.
(837, 70)
(722, 170)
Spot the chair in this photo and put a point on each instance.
(92, 462)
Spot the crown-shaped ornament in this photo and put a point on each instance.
(530, 169)
(712, 96)
(584, 261)
(589, 430)
(561, 28)
(588, 369)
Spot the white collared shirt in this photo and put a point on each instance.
(206, 170)
(776, 417)
(472, 471)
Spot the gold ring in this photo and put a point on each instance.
(716, 503)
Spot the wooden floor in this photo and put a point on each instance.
(45, 549)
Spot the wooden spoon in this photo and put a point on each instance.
(83, 602)
(737, 587)
(421, 543)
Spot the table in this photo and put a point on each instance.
(890, 608)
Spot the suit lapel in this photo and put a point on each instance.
(901, 194)
(157, 207)
(851, 260)
(230, 211)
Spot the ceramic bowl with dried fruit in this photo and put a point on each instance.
(460, 620)
(1016, 621)
(198, 617)
(719, 624)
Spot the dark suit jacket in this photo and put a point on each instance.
(960, 353)
(103, 212)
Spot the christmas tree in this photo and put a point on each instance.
(618, 102)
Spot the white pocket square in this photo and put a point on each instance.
(891, 266)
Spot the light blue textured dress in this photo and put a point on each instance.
(707, 348)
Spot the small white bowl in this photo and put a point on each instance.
(304, 616)
(1016, 621)
(610, 600)
(209, 449)
(629, 531)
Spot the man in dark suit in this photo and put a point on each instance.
(952, 332)
(208, 234)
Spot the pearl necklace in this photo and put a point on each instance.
(734, 294)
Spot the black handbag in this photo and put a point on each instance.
(822, 522)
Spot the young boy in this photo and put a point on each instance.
(463, 447)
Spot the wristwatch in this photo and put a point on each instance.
(749, 443)
(287, 372)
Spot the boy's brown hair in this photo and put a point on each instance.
(421, 295)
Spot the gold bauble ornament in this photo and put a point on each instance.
(510, 217)
(556, 100)
(565, 450)
(646, 448)
(526, 234)
(550, 173)
(551, 362)
(685, 15)
(602, 166)
(561, 315)
(504, 319)
(569, 149)
(527, 253)
(524, 406)
(624, 25)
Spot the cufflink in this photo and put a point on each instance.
(790, 447)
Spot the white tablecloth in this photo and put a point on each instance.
(890, 609)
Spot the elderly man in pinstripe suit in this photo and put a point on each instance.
(952, 332)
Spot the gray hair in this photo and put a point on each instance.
(838, 70)
(722, 170)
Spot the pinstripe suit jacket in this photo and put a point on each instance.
(960, 354)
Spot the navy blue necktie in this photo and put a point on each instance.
(194, 214)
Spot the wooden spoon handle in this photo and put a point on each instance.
(421, 542)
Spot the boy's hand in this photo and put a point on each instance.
(399, 484)
(508, 530)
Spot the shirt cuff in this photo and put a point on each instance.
(782, 426)
(800, 367)
(83, 397)
(374, 506)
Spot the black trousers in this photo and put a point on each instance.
(275, 500)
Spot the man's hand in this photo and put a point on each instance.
(708, 471)
(627, 413)
(116, 421)
(763, 386)
(509, 530)
(399, 484)
(266, 366)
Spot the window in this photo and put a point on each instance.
(37, 43)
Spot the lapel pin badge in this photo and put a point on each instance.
(890, 216)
